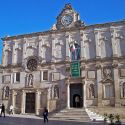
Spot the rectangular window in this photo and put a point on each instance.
(17, 77)
(45, 75)
(6, 79)
(108, 91)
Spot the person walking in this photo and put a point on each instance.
(45, 115)
(11, 110)
(2, 110)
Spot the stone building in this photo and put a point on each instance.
(70, 65)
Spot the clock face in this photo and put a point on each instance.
(32, 64)
(66, 20)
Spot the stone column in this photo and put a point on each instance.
(23, 102)
(13, 100)
(116, 87)
(68, 95)
(84, 93)
(37, 102)
(99, 86)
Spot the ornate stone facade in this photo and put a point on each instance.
(36, 67)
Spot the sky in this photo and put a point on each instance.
(27, 16)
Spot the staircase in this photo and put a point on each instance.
(73, 114)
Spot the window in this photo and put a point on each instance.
(123, 90)
(18, 77)
(108, 91)
(45, 75)
(6, 79)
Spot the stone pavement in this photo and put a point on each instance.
(18, 119)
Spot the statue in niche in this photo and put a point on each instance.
(91, 91)
(107, 73)
(5, 92)
(56, 91)
(75, 51)
(30, 80)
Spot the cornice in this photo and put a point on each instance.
(49, 32)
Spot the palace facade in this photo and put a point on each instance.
(70, 65)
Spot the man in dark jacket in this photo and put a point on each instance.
(45, 115)
(2, 110)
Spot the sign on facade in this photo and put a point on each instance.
(75, 69)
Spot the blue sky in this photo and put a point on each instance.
(27, 16)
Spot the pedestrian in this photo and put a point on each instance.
(2, 110)
(45, 115)
(11, 109)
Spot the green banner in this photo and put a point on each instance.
(75, 69)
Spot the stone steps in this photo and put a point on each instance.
(73, 114)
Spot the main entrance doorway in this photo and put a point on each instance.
(30, 103)
(76, 95)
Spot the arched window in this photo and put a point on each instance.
(75, 51)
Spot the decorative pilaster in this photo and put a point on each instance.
(84, 93)
(99, 86)
(14, 54)
(68, 95)
(39, 46)
(13, 100)
(4, 54)
(24, 48)
(23, 102)
(116, 86)
(53, 48)
(115, 39)
(68, 38)
(37, 102)
(82, 47)
(98, 48)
